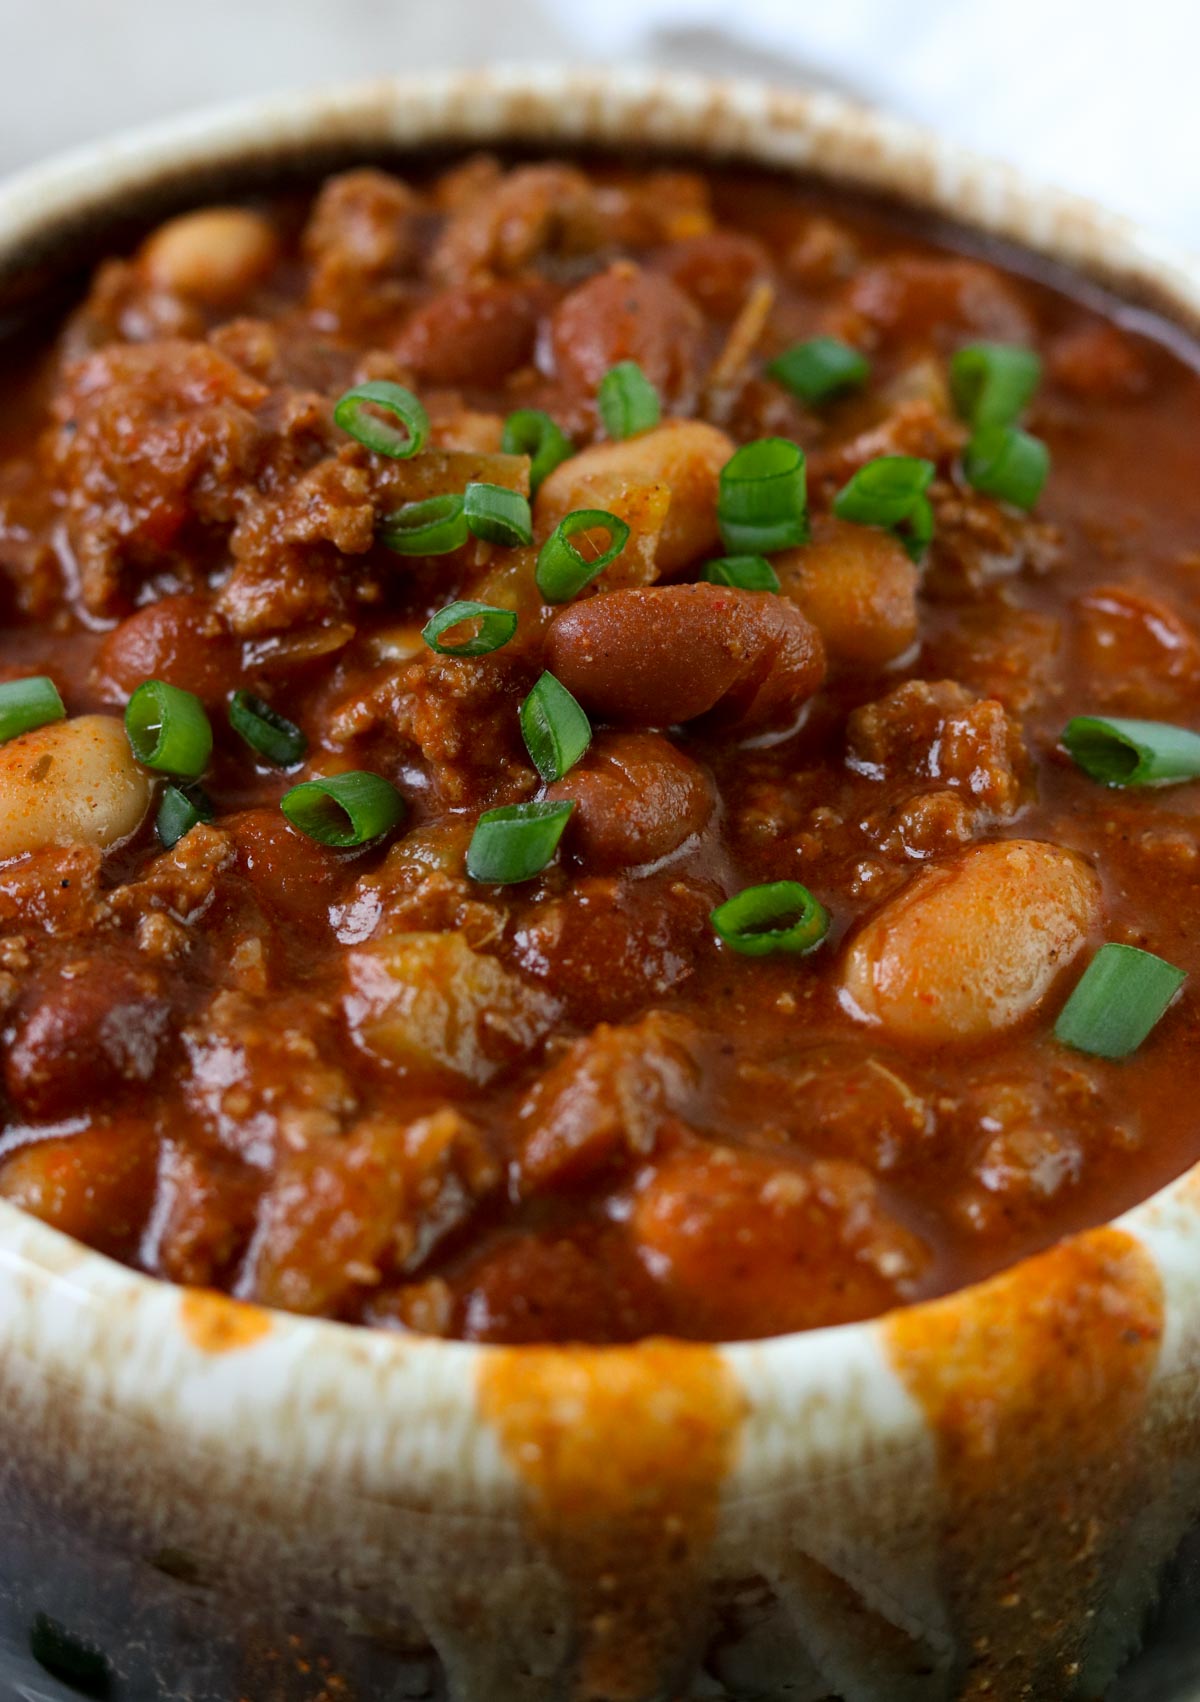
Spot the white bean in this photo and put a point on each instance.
(71, 783)
(973, 946)
(858, 588)
(684, 456)
(213, 255)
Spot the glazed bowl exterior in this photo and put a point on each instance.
(972, 1498)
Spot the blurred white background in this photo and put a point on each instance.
(1098, 95)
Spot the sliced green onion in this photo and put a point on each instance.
(820, 368)
(562, 569)
(890, 492)
(515, 843)
(531, 432)
(744, 573)
(992, 382)
(1122, 994)
(1132, 753)
(269, 734)
(555, 729)
(1006, 463)
(762, 503)
(627, 401)
(779, 916)
(168, 729)
(346, 809)
(498, 515)
(79, 1665)
(433, 527)
(493, 629)
(180, 810)
(26, 704)
(353, 414)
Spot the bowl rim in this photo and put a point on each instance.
(46, 207)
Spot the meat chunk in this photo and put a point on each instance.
(341, 1213)
(262, 1075)
(429, 1005)
(940, 732)
(500, 227)
(151, 437)
(95, 1185)
(606, 1100)
(935, 298)
(361, 238)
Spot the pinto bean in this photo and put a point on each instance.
(214, 255)
(684, 455)
(858, 587)
(636, 799)
(178, 639)
(667, 654)
(628, 314)
(973, 946)
(71, 783)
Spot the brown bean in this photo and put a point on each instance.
(628, 314)
(289, 872)
(83, 1032)
(665, 654)
(178, 639)
(475, 334)
(636, 799)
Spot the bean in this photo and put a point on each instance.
(858, 587)
(628, 314)
(213, 255)
(684, 455)
(743, 1244)
(973, 946)
(636, 799)
(81, 1033)
(72, 783)
(178, 639)
(667, 654)
(475, 333)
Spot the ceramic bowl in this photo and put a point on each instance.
(972, 1498)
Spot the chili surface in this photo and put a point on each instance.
(556, 1074)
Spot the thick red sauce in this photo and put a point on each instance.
(360, 1084)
